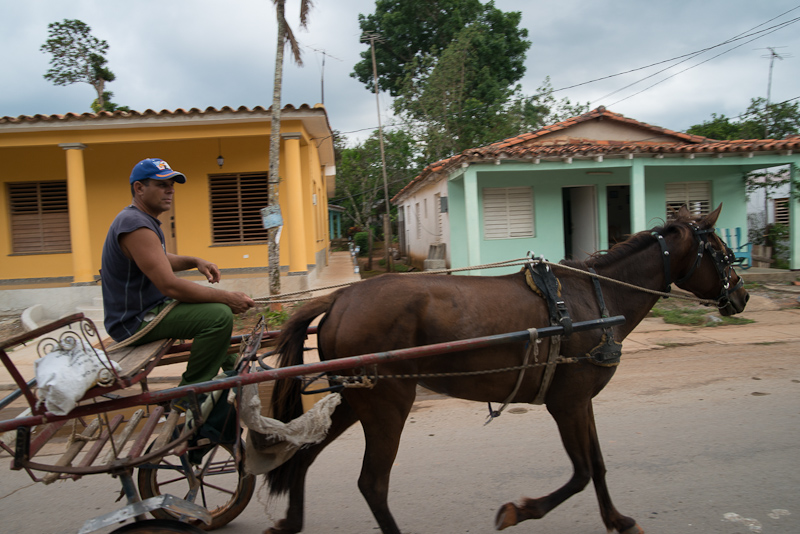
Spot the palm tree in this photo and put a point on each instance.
(284, 35)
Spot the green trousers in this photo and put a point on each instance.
(209, 326)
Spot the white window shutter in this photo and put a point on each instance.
(694, 195)
(508, 212)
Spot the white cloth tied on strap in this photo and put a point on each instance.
(63, 376)
(308, 429)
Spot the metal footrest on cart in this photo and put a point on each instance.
(187, 509)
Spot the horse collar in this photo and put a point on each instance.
(541, 279)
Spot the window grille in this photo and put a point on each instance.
(39, 217)
(781, 207)
(694, 195)
(236, 201)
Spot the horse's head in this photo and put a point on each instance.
(703, 262)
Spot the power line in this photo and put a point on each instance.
(738, 37)
(698, 64)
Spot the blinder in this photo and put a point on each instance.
(723, 260)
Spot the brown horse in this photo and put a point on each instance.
(396, 311)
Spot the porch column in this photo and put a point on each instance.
(638, 212)
(78, 215)
(794, 219)
(473, 218)
(295, 215)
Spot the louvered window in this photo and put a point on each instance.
(694, 195)
(39, 217)
(781, 206)
(236, 201)
(508, 212)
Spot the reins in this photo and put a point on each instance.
(509, 263)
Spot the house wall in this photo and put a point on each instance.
(603, 130)
(418, 248)
(549, 178)
(23, 165)
(107, 164)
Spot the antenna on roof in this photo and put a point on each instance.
(322, 75)
(771, 56)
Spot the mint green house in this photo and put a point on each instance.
(579, 186)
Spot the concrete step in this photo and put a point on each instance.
(762, 275)
(94, 311)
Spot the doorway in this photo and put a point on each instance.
(580, 221)
(618, 207)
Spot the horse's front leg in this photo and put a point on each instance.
(576, 425)
(611, 516)
(297, 468)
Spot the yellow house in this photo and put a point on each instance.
(65, 177)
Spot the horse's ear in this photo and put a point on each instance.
(711, 219)
(683, 213)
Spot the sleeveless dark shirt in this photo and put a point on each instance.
(127, 293)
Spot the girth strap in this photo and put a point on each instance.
(533, 348)
(608, 352)
(549, 369)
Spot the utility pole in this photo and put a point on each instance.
(387, 224)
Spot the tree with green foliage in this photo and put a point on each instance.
(108, 105)
(411, 31)
(359, 177)
(453, 68)
(447, 119)
(78, 57)
(760, 121)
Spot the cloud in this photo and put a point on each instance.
(200, 53)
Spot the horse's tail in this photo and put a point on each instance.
(286, 395)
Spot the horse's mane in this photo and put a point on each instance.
(635, 243)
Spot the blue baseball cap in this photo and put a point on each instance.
(155, 168)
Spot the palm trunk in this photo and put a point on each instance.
(274, 155)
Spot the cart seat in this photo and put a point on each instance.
(133, 360)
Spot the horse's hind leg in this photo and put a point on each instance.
(341, 419)
(579, 436)
(383, 415)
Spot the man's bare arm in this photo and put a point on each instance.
(144, 247)
(184, 263)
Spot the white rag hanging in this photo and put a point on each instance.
(309, 428)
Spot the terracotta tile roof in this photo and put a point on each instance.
(541, 145)
(149, 113)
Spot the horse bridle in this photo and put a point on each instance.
(723, 259)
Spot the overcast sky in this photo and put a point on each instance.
(171, 54)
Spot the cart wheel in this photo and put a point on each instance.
(158, 526)
(224, 491)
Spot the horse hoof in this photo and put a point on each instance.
(506, 516)
(635, 529)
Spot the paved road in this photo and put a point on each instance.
(696, 439)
